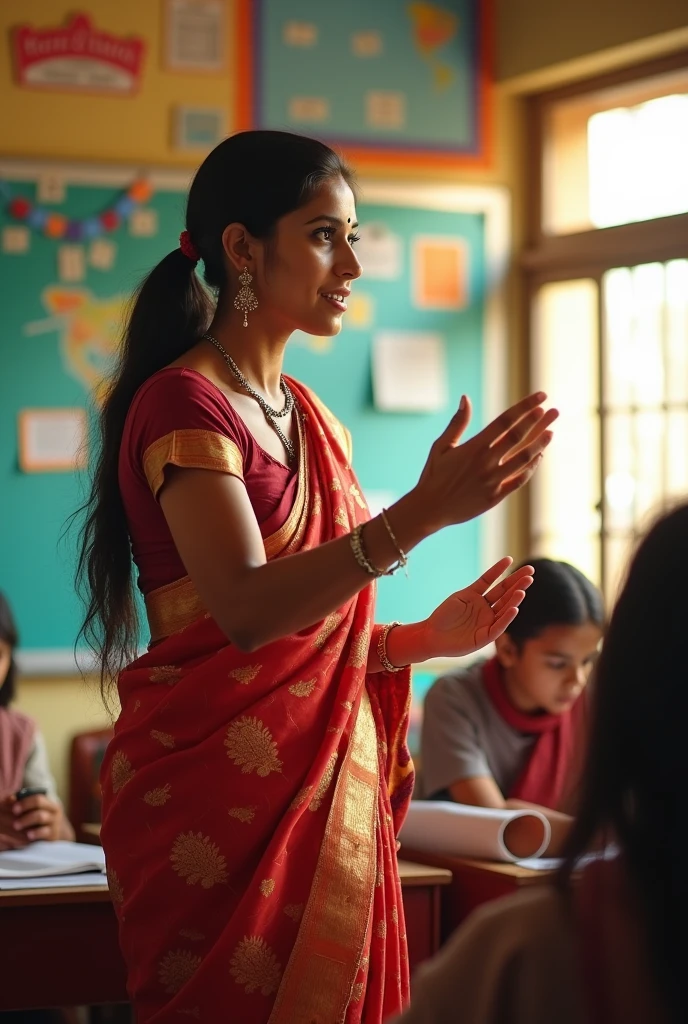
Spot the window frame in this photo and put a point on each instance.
(547, 258)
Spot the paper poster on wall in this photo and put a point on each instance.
(71, 263)
(300, 33)
(143, 222)
(50, 188)
(52, 440)
(199, 127)
(102, 254)
(360, 311)
(195, 34)
(77, 56)
(380, 252)
(15, 240)
(440, 273)
(409, 371)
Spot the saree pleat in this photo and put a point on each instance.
(251, 801)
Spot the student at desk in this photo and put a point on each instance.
(607, 946)
(509, 731)
(23, 761)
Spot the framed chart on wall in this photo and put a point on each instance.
(402, 80)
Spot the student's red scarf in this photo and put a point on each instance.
(547, 775)
(17, 733)
(252, 800)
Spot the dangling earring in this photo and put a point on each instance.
(246, 300)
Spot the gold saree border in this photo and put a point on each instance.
(191, 449)
(172, 607)
(176, 605)
(319, 978)
(288, 538)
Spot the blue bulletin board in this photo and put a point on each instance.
(390, 78)
(58, 337)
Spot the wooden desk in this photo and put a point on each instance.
(59, 946)
(474, 882)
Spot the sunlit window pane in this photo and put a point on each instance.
(565, 490)
(634, 311)
(677, 453)
(638, 161)
(677, 330)
(617, 155)
(617, 553)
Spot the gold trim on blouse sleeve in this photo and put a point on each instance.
(191, 449)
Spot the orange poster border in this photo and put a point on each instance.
(365, 156)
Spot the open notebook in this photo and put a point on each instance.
(46, 860)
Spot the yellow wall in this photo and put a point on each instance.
(532, 35)
(62, 707)
(102, 128)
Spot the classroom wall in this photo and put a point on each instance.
(533, 35)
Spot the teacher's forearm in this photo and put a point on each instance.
(406, 644)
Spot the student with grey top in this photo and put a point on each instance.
(37, 814)
(509, 731)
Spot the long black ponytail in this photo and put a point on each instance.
(169, 312)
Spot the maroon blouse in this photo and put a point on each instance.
(179, 417)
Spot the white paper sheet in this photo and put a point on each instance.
(45, 859)
(409, 371)
(437, 826)
(553, 863)
(92, 879)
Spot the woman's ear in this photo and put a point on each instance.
(238, 246)
(507, 651)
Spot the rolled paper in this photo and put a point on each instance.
(485, 833)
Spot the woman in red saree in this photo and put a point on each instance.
(259, 773)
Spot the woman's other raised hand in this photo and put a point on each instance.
(461, 481)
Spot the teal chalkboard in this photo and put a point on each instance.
(57, 337)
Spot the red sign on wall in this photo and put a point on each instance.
(78, 56)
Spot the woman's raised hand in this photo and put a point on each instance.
(476, 615)
(461, 481)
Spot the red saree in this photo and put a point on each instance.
(550, 773)
(251, 801)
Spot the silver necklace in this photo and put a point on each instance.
(271, 415)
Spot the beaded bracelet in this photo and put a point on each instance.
(382, 649)
(360, 555)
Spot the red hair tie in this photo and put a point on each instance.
(188, 248)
